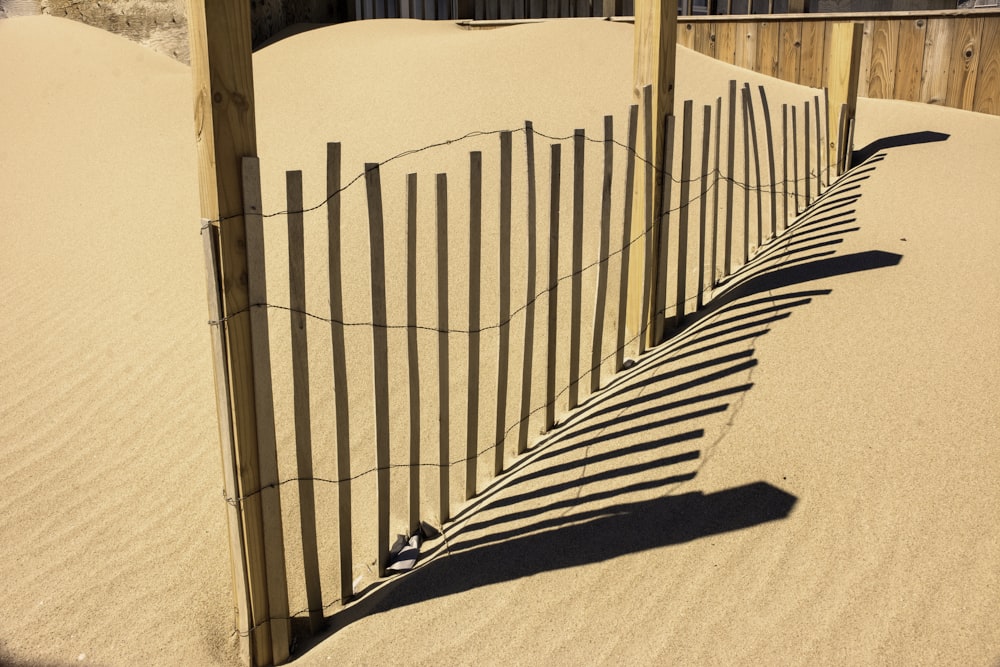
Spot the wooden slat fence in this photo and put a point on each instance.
(595, 236)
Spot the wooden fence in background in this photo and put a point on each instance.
(758, 165)
(950, 58)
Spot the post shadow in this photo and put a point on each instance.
(896, 141)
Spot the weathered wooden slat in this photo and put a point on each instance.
(300, 394)
(380, 358)
(503, 344)
(846, 43)
(725, 42)
(601, 291)
(744, 106)
(768, 48)
(819, 146)
(666, 178)
(705, 39)
(772, 182)
(633, 129)
(444, 372)
(340, 389)
(475, 298)
(683, 214)
(790, 50)
(748, 100)
(646, 233)
(813, 54)
(885, 45)
(531, 269)
(413, 352)
(746, 48)
(685, 34)
(909, 59)
(715, 192)
(987, 96)
(552, 331)
(864, 75)
(706, 138)
(795, 156)
(940, 37)
(730, 178)
(964, 68)
(784, 167)
(576, 282)
(807, 162)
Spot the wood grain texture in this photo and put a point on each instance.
(789, 50)
(909, 59)
(964, 68)
(768, 48)
(864, 75)
(987, 96)
(685, 34)
(845, 56)
(885, 45)
(746, 48)
(705, 39)
(813, 54)
(725, 42)
(938, 48)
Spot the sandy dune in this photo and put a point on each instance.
(805, 475)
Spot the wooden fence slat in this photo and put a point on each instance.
(784, 167)
(413, 351)
(828, 164)
(987, 95)
(380, 358)
(864, 75)
(552, 342)
(773, 182)
(730, 178)
(682, 229)
(746, 50)
(790, 50)
(885, 44)
(685, 34)
(909, 59)
(813, 53)
(808, 159)
(475, 298)
(576, 282)
(503, 347)
(270, 497)
(726, 41)
(444, 372)
(241, 583)
(529, 310)
(795, 156)
(819, 147)
(633, 130)
(715, 191)
(664, 218)
(340, 389)
(705, 39)
(601, 292)
(846, 51)
(964, 68)
(937, 61)
(748, 100)
(300, 393)
(746, 175)
(768, 48)
(706, 138)
(648, 221)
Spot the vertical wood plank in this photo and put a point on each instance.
(768, 48)
(663, 216)
(704, 38)
(730, 178)
(300, 393)
(706, 137)
(552, 341)
(819, 147)
(241, 584)
(380, 359)
(576, 282)
(601, 291)
(784, 167)
(444, 367)
(909, 59)
(748, 100)
(475, 298)
(790, 53)
(964, 63)
(647, 237)
(715, 191)
(987, 96)
(746, 50)
(529, 310)
(844, 75)
(940, 37)
(885, 45)
(772, 182)
(806, 141)
(746, 175)
(623, 291)
(795, 156)
(685, 34)
(503, 347)
(726, 41)
(682, 229)
(868, 29)
(813, 48)
(413, 351)
(340, 389)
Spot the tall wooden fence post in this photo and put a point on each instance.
(655, 51)
(845, 66)
(222, 74)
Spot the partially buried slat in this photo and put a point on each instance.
(600, 299)
(706, 137)
(746, 177)
(730, 184)
(748, 99)
(795, 157)
(633, 118)
(647, 236)
(444, 373)
(475, 298)
(380, 358)
(819, 147)
(576, 282)
(663, 225)
(808, 159)
(715, 191)
(529, 309)
(340, 390)
(503, 345)
(784, 166)
(772, 183)
(412, 350)
(300, 392)
(682, 229)
(552, 345)
(274, 552)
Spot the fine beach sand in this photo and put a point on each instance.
(805, 475)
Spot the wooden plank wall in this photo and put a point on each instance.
(949, 58)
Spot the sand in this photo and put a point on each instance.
(805, 475)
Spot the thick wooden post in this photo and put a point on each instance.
(844, 57)
(655, 49)
(222, 73)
